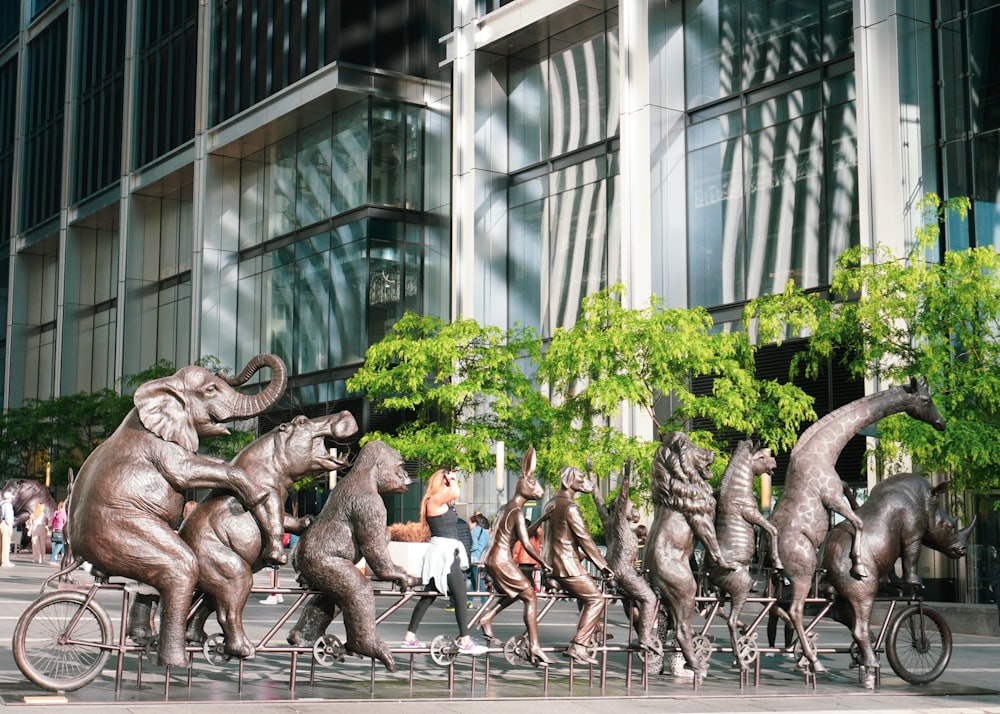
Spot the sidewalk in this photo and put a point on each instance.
(490, 685)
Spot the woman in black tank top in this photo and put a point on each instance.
(442, 567)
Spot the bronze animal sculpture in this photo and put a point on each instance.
(683, 507)
(618, 519)
(736, 514)
(25, 493)
(902, 514)
(226, 539)
(509, 527)
(129, 494)
(566, 539)
(812, 486)
(351, 526)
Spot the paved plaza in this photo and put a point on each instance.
(486, 685)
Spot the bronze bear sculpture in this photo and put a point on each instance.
(351, 526)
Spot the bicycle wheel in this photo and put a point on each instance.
(53, 657)
(918, 645)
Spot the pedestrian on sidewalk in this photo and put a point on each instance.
(6, 529)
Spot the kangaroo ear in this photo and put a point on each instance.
(529, 463)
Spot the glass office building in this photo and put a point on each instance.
(182, 178)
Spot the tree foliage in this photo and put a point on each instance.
(465, 387)
(462, 385)
(60, 433)
(890, 316)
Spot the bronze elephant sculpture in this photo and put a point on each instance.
(226, 539)
(351, 526)
(25, 493)
(129, 494)
(902, 514)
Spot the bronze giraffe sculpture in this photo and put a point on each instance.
(736, 514)
(812, 486)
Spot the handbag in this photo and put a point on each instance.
(57, 536)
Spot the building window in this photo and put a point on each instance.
(772, 146)
(262, 47)
(100, 72)
(8, 115)
(167, 71)
(968, 81)
(45, 102)
(334, 244)
(562, 152)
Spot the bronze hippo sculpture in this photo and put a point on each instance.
(226, 539)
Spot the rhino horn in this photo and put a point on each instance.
(967, 531)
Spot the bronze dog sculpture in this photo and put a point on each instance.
(566, 539)
(351, 526)
(128, 497)
(902, 514)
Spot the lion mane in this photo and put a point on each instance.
(677, 482)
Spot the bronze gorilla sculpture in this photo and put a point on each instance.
(129, 494)
(226, 539)
(902, 514)
(351, 526)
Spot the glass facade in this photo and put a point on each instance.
(772, 146)
(44, 114)
(261, 47)
(167, 58)
(562, 119)
(334, 242)
(969, 110)
(100, 76)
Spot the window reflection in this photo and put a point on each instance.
(320, 278)
(772, 187)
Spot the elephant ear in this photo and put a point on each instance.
(162, 411)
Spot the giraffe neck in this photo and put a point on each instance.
(830, 434)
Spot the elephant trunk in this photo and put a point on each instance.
(246, 406)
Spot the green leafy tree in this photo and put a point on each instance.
(465, 387)
(891, 316)
(60, 433)
(462, 386)
(646, 357)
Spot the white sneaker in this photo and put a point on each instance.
(272, 600)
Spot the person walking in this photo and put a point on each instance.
(6, 529)
(480, 541)
(444, 561)
(37, 533)
(58, 534)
